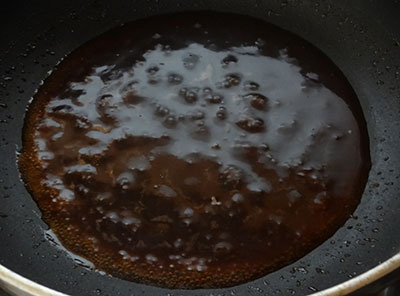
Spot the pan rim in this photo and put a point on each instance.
(15, 283)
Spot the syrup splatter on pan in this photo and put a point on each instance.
(195, 150)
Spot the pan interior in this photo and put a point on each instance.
(169, 153)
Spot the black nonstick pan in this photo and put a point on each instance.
(361, 37)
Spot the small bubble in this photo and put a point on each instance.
(174, 78)
(190, 61)
(257, 101)
(190, 97)
(228, 60)
(201, 133)
(260, 42)
(152, 70)
(152, 80)
(170, 121)
(207, 90)
(196, 115)
(214, 98)
(183, 91)
(250, 85)
(231, 80)
(62, 108)
(161, 111)
(251, 125)
(221, 113)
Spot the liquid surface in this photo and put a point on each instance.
(195, 150)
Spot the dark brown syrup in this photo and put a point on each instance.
(195, 150)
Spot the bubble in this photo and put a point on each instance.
(229, 59)
(294, 196)
(151, 258)
(82, 123)
(63, 109)
(222, 247)
(174, 78)
(191, 181)
(207, 90)
(152, 70)
(201, 133)
(214, 98)
(140, 163)
(231, 80)
(190, 61)
(263, 147)
(260, 42)
(196, 115)
(189, 95)
(237, 197)
(167, 191)
(170, 121)
(251, 125)
(156, 36)
(250, 85)
(221, 113)
(161, 111)
(257, 101)
(231, 175)
(106, 106)
(216, 147)
(320, 198)
(183, 91)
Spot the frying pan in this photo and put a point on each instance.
(362, 37)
